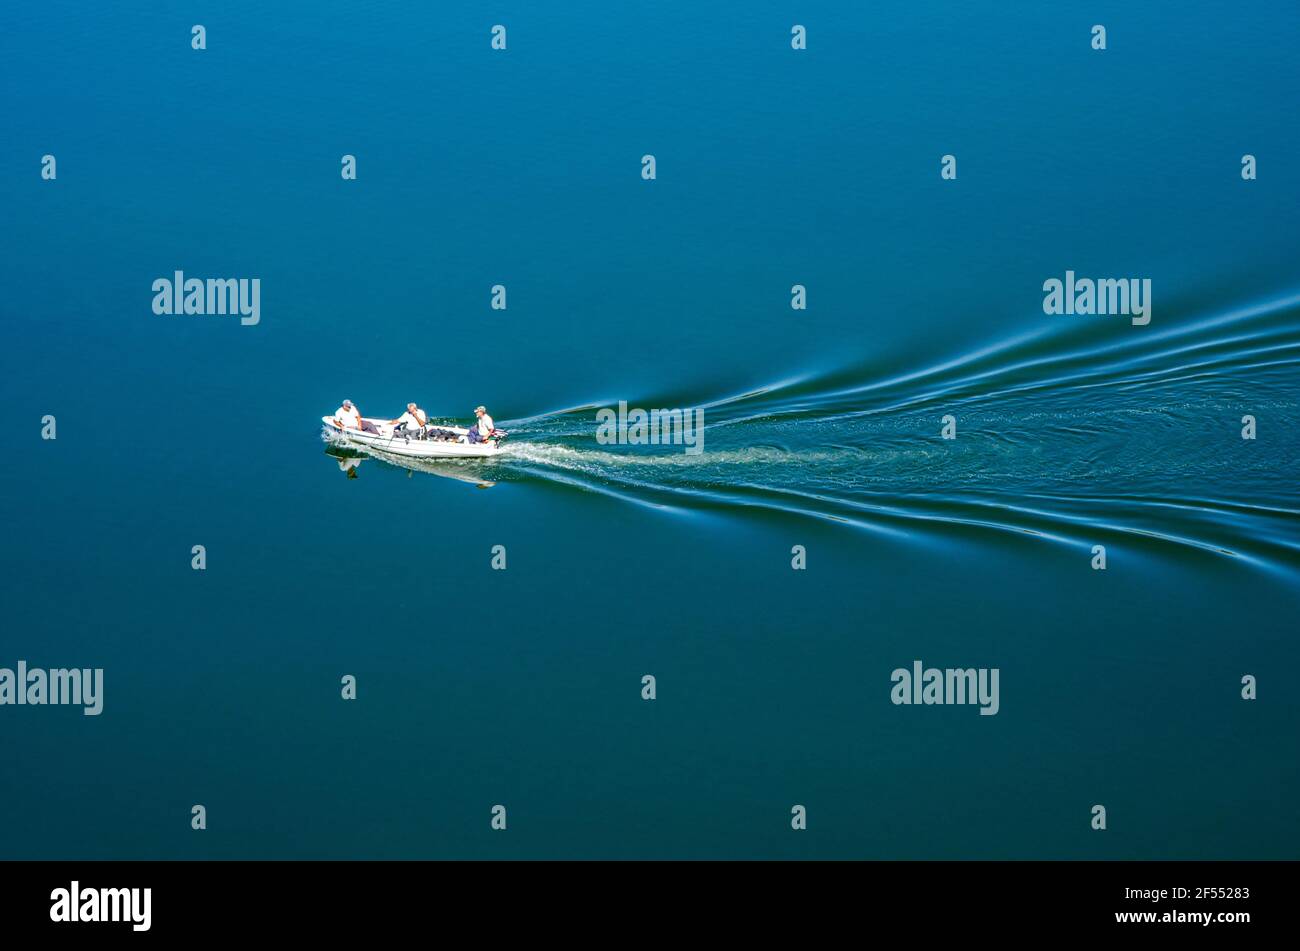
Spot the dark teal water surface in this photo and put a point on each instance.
(522, 687)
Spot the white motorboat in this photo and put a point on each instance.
(434, 442)
(349, 460)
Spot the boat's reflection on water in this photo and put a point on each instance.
(349, 461)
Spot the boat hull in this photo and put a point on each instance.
(389, 443)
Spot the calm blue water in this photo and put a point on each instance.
(522, 687)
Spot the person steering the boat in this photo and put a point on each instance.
(412, 422)
(481, 430)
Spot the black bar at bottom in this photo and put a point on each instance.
(365, 899)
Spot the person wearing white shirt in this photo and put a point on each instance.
(481, 430)
(412, 421)
(347, 416)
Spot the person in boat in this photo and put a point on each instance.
(412, 422)
(481, 430)
(348, 416)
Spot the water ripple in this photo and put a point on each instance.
(1079, 433)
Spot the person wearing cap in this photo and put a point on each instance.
(347, 416)
(412, 421)
(481, 430)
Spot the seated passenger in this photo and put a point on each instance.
(347, 416)
(412, 422)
